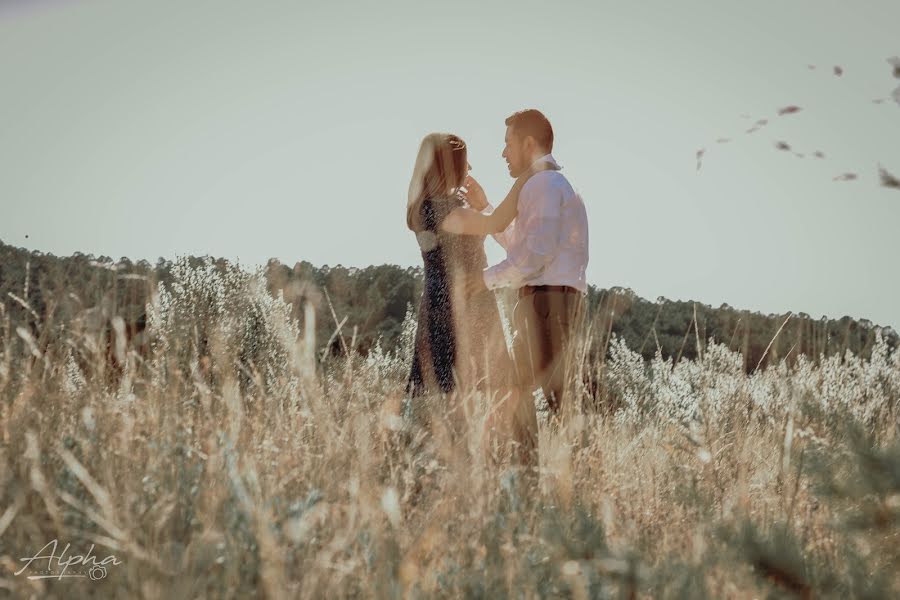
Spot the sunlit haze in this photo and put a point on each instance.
(288, 130)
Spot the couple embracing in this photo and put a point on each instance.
(460, 347)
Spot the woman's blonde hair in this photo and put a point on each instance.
(440, 171)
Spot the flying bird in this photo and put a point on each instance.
(845, 177)
(756, 126)
(894, 61)
(888, 180)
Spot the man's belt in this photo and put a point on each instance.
(527, 290)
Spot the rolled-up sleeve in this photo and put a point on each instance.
(504, 274)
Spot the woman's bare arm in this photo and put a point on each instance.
(466, 221)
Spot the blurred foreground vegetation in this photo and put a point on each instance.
(213, 443)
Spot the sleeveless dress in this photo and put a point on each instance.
(459, 338)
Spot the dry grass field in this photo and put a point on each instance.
(229, 460)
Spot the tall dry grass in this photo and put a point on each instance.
(232, 461)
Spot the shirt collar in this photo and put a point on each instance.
(548, 158)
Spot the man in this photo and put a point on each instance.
(547, 254)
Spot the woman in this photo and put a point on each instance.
(459, 343)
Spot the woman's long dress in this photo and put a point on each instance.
(459, 338)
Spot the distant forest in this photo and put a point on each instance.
(43, 293)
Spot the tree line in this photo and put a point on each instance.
(366, 306)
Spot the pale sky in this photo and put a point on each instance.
(261, 129)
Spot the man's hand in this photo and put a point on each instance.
(475, 194)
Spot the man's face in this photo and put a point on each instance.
(516, 153)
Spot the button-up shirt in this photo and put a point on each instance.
(547, 243)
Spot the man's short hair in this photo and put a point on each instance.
(532, 122)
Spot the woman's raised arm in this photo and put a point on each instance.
(466, 221)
